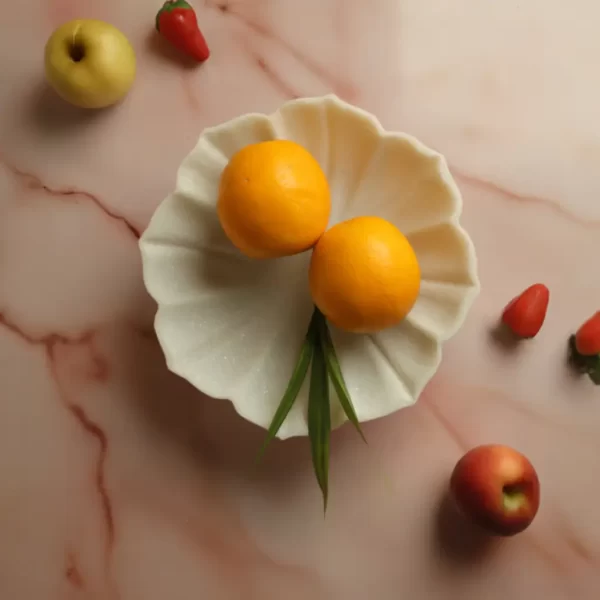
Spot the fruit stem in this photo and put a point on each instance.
(513, 497)
(76, 47)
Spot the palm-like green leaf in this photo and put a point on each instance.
(319, 420)
(319, 350)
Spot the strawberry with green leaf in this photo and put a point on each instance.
(176, 21)
(584, 346)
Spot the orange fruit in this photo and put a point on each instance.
(274, 199)
(364, 275)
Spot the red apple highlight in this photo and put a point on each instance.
(497, 487)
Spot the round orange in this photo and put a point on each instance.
(274, 199)
(364, 275)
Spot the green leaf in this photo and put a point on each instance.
(594, 369)
(595, 376)
(319, 420)
(293, 387)
(336, 376)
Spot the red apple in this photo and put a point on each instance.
(497, 487)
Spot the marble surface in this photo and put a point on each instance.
(119, 481)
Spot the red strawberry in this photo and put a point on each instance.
(525, 314)
(178, 24)
(585, 348)
(587, 338)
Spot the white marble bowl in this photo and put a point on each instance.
(233, 326)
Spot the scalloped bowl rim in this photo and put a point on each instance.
(422, 149)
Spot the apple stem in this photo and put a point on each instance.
(76, 47)
(76, 51)
(513, 496)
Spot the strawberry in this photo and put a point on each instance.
(585, 348)
(176, 21)
(587, 338)
(525, 314)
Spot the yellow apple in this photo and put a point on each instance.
(90, 63)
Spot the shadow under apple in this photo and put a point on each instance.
(459, 541)
(52, 115)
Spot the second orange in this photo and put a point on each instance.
(364, 275)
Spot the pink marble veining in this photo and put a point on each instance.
(119, 481)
